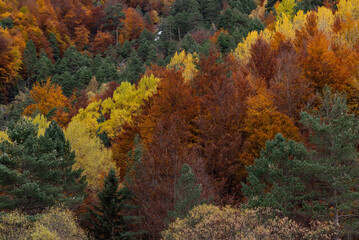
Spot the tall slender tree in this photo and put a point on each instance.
(109, 218)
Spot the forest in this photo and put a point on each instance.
(179, 119)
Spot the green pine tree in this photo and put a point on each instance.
(67, 82)
(189, 45)
(30, 59)
(110, 218)
(126, 49)
(84, 76)
(112, 19)
(335, 135)
(225, 42)
(187, 193)
(43, 67)
(322, 183)
(72, 61)
(134, 159)
(36, 172)
(107, 72)
(276, 179)
(134, 68)
(152, 56)
(143, 50)
(54, 46)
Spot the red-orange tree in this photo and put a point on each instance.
(48, 99)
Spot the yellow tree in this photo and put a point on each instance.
(325, 20)
(348, 9)
(186, 63)
(91, 154)
(285, 8)
(243, 50)
(118, 110)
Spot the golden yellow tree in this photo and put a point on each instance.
(119, 109)
(185, 62)
(91, 154)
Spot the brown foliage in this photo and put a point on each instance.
(173, 96)
(290, 90)
(159, 170)
(262, 62)
(223, 107)
(102, 41)
(133, 24)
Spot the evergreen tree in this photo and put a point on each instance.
(133, 160)
(107, 72)
(7, 23)
(143, 50)
(225, 42)
(335, 135)
(110, 219)
(54, 46)
(133, 69)
(244, 6)
(187, 193)
(321, 183)
(279, 169)
(30, 59)
(112, 20)
(96, 63)
(43, 67)
(126, 49)
(37, 171)
(146, 36)
(152, 55)
(72, 61)
(187, 16)
(67, 82)
(210, 10)
(189, 45)
(83, 76)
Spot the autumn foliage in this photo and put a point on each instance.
(146, 87)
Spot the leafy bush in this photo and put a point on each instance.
(212, 222)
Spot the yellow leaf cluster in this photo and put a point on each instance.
(126, 102)
(325, 20)
(185, 62)
(348, 9)
(4, 136)
(242, 52)
(54, 224)
(286, 8)
(287, 26)
(41, 122)
(91, 154)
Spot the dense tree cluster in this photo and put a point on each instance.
(179, 119)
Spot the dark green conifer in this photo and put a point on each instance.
(110, 218)
(30, 59)
(36, 172)
(107, 72)
(126, 49)
(134, 68)
(54, 46)
(43, 67)
(187, 193)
